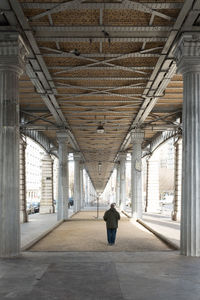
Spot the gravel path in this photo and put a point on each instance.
(85, 233)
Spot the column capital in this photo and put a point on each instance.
(13, 52)
(187, 53)
(117, 164)
(122, 156)
(77, 156)
(137, 135)
(62, 136)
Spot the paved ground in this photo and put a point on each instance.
(164, 226)
(160, 275)
(100, 276)
(37, 226)
(85, 233)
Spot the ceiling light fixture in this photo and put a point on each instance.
(75, 52)
(99, 168)
(100, 129)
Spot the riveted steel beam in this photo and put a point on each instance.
(50, 5)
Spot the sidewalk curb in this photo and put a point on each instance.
(41, 236)
(126, 214)
(165, 240)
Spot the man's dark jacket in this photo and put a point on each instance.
(111, 217)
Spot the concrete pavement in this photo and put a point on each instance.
(100, 276)
(160, 275)
(40, 225)
(162, 226)
(37, 227)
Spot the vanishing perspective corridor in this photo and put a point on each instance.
(85, 233)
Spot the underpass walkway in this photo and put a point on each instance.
(84, 232)
(110, 274)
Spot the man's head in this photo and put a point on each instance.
(112, 205)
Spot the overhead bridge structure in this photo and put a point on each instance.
(99, 79)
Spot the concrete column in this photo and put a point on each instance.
(89, 191)
(55, 180)
(118, 184)
(63, 176)
(46, 202)
(87, 184)
(122, 159)
(22, 180)
(77, 190)
(147, 183)
(12, 59)
(188, 63)
(136, 174)
(177, 180)
(86, 188)
(152, 188)
(81, 186)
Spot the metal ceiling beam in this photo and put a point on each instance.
(102, 55)
(167, 118)
(39, 30)
(97, 93)
(98, 88)
(59, 33)
(39, 127)
(108, 111)
(161, 127)
(93, 123)
(34, 118)
(63, 101)
(99, 68)
(107, 62)
(77, 4)
(165, 109)
(39, 89)
(35, 110)
(112, 67)
(99, 78)
(143, 113)
(50, 99)
(39, 138)
(60, 53)
(122, 39)
(55, 128)
(127, 96)
(50, 5)
(152, 95)
(30, 69)
(69, 86)
(159, 139)
(80, 113)
(164, 81)
(109, 119)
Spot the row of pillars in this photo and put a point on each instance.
(84, 192)
(12, 62)
(136, 175)
(151, 202)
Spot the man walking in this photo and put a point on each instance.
(111, 218)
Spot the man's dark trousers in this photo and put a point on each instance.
(111, 235)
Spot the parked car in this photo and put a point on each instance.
(29, 208)
(36, 206)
